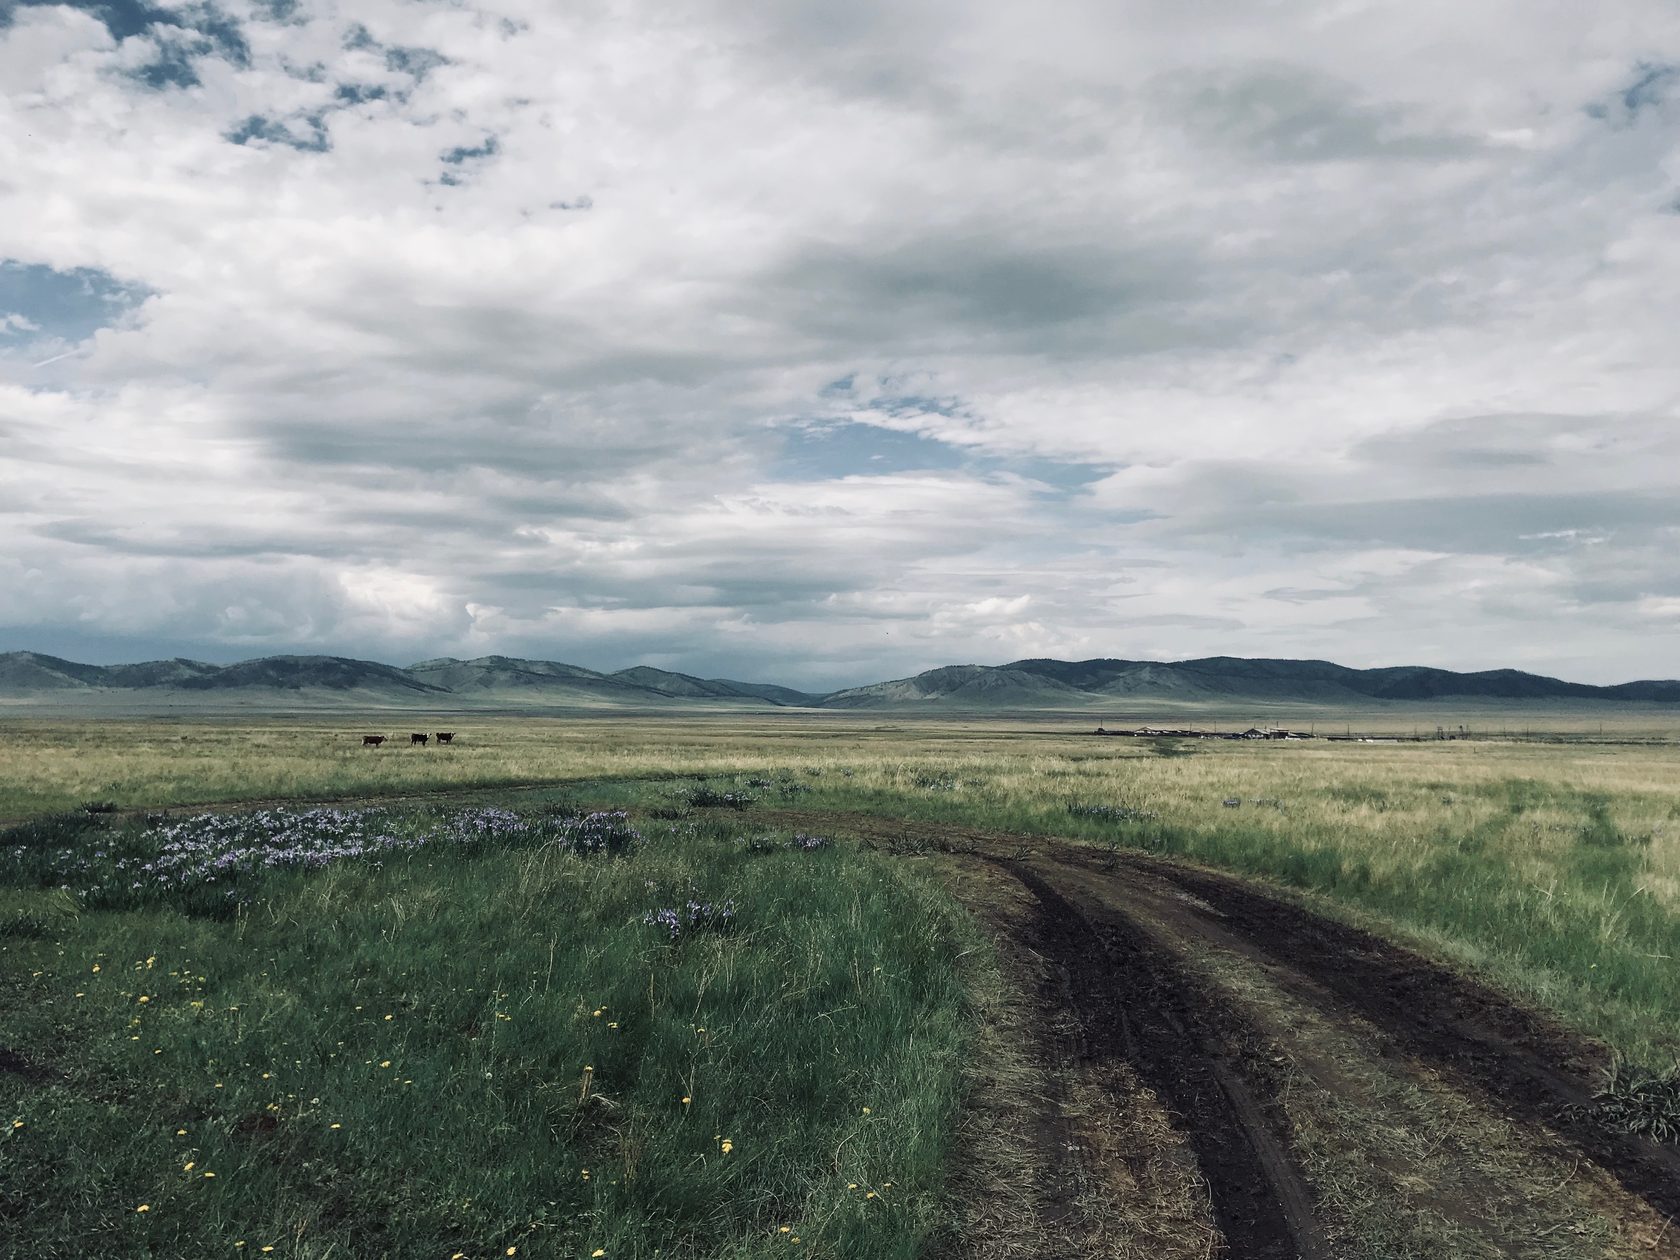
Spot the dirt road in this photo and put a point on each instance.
(1217, 1070)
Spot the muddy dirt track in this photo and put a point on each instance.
(1332, 1094)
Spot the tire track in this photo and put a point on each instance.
(1525, 1064)
(1135, 1003)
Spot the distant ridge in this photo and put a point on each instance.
(496, 682)
(1041, 683)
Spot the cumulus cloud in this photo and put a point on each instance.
(834, 342)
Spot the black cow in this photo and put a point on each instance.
(417, 737)
(444, 737)
(372, 741)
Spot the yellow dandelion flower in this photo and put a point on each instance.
(870, 1195)
(794, 1239)
(96, 966)
(180, 1133)
(144, 1207)
(144, 999)
(209, 1174)
(390, 1017)
(188, 1166)
(851, 1185)
(686, 1100)
(17, 1124)
(867, 1112)
(728, 1146)
(270, 1247)
(385, 1063)
(598, 1252)
(786, 1229)
(335, 1126)
(512, 1251)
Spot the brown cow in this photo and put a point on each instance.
(444, 737)
(372, 741)
(417, 737)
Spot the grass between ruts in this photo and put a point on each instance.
(485, 1050)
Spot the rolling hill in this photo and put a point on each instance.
(1036, 684)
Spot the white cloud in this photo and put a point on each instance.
(496, 348)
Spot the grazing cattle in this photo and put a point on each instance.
(444, 737)
(417, 737)
(372, 741)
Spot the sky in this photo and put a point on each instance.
(824, 343)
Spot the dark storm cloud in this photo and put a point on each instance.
(939, 291)
(1287, 113)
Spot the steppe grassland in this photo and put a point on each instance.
(61, 763)
(483, 1047)
(1553, 866)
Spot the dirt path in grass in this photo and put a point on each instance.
(1226, 1073)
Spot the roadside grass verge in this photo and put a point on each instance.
(482, 1045)
(1561, 888)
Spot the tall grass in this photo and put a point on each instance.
(478, 1051)
(1557, 870)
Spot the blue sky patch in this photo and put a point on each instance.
(183, 35)
(465, 153)
(256, 127)
(69, 305)
(823, 452)
(850, 449)
(358, 93)
(1652, 84)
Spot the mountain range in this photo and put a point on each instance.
(502, 682)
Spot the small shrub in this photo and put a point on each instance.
(692, 918)
(608, 832)
(1635, 1100)
(705, 796)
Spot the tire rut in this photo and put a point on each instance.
(1135, 1003)
(1527, 1065)
(1531, 1069)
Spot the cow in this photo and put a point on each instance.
(417, 737)
(444, 737)
(372, 741)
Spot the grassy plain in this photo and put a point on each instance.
(1553, 865)
(1553, 868)
(485, 1050)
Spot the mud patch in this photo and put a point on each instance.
(1135, 1004)
(1534, 1069)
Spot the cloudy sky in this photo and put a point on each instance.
(827, 342)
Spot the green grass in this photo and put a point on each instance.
(1554, 870)
(425, 1056)
(1562, 882)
